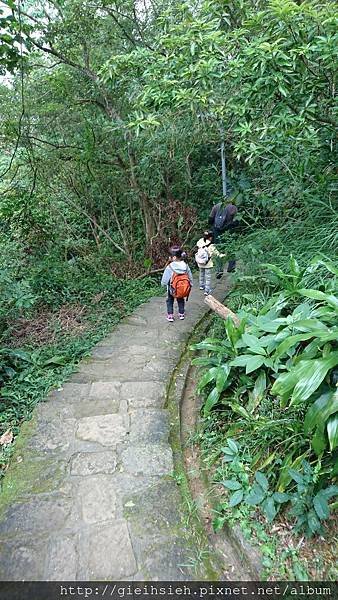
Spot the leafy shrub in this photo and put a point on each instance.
(309, 505)
(273, 379)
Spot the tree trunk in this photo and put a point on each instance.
(150, 224)
(221, 310)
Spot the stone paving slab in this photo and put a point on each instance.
(89, 493)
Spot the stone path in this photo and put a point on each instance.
(88, 495)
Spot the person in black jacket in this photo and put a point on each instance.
(222, 218)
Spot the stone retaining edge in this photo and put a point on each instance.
(181, 374)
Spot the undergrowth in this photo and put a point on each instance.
(271, 443)
(29, 371)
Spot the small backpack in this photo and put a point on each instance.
(180, 286)
(221, 217)
(202, 255)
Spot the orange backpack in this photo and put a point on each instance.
(180, 286)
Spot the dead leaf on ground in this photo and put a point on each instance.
(6, 438)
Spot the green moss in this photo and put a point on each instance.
(29, 472)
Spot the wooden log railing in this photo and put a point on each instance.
(220, 309)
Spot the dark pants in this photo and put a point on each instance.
(170, 304)
(231, 264)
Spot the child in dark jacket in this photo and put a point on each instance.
(177, 265)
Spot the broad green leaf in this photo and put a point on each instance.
(232, 484)
(332, 431)
(329, 265)
(302, 311)
(321, 506)
(236, 498)
(274, 269)
(233, 332)
(309, 325)
(240, 361)
(269, 508)
(269, 342)
(319, 412)
(267, 460)
(228, 458)
(206, 361)
(17, 354)
(232, 445)
(294, 266)
(228, 450)
(280, 497)
(311, 350)
(249, 361)
(313, 522)
(262, 480)
(253, 343)
(55, 360)
(219, 348)
(285, 383)
(255, 496)
(330, 492)
(254, 363)
(268, 325)
(296, 476)
(268, 362)
(201, 345)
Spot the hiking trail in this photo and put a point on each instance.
(89, 494)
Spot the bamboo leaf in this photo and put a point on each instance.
(311, 375)
(318, 295)
(292, 341)
(211, 400)
(222, 376)
(319, 412)
(209, 376)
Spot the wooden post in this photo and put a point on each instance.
(220, 309)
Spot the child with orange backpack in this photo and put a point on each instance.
(178, 279)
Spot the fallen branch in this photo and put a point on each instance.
(220, 309)
(148, 273)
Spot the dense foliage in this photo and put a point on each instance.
(273, 383)
(111, 118)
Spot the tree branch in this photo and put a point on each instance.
(58, 146)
